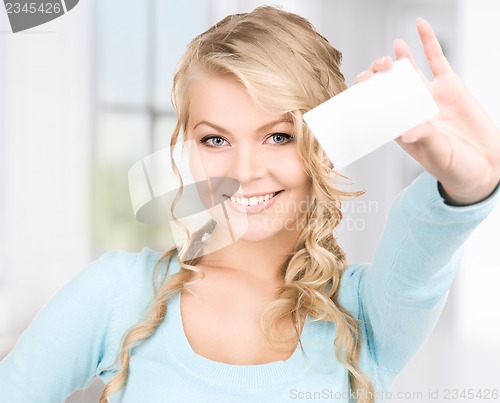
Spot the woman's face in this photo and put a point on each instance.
(235, 138)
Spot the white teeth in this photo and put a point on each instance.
(252, 201)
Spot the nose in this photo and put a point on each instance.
(248, 164)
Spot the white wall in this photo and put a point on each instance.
(479, 321)
(46, 123)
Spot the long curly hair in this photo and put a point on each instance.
(287, 67)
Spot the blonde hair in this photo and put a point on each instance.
(289, 68)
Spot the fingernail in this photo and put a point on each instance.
(382, 60)
(423, 20)
(358, 77)
(410, 140)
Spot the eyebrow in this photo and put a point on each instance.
(264, 128)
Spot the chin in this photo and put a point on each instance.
(256, 236)
(258, 233)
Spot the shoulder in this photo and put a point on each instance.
(110, 285)
(119, 284)
(108, 272)
(122, 278)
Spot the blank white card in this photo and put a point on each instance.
(371, 113)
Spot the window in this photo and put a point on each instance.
(138, 44)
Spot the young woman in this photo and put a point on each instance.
(276, 315)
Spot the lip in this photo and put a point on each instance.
(253, 209)
(248, 195)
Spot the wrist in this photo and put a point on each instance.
(454, 200)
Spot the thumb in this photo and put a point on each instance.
(421, 133)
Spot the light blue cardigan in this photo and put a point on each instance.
(398, 298)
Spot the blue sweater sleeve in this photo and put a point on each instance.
(64, 347)
(403, 291)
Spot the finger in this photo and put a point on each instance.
(418, 142)
(431, 148)
(381, 64)
(421, 134)
(363, 76)
(432, 49)
(402, 50)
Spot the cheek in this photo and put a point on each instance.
(201, 164)
(211, 166)
(188, 161)
(197, 169)
(292, 172)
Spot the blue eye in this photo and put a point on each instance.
(213, 141)
(281, 138)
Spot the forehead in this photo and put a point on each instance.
(225, 101)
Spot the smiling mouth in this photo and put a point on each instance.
(255, 200)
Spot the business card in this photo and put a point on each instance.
(371, 113)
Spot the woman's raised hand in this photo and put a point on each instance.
(460, 146)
